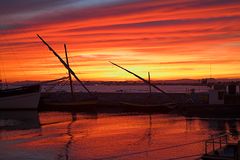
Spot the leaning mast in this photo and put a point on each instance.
(64, 64)
(144, 80)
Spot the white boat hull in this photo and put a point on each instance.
(23, 101)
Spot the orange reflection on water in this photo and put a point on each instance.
(106, 136)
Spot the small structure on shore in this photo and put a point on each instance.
(224, 94)
(216, 94)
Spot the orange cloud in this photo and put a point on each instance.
(157, 36)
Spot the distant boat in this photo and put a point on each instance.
(163, 107)
(85, 105)
(26, 97)
(151, 107)
(168, 105)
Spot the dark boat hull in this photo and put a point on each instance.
(20, 98)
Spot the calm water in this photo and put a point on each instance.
(60, 136)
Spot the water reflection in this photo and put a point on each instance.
(233, 127)
(147, 135)
(70, 135)
(19, 120)
(222, 125)
(69, 132)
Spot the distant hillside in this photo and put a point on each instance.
(177, 82)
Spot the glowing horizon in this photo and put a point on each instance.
(172, 40)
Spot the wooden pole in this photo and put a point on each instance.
(69, 74)
(64, 64)
(149, 80)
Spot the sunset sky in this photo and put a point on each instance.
(172, 39)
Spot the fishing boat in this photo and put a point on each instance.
(149, 106)
(26, 97)
(83, 105)
(160, 107)
(73, 103)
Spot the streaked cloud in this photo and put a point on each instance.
(146, 35)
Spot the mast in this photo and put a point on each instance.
(64, 64)
(145, 81)
(149, 80)
(69, 74)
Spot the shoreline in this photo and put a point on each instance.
(141, 103)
